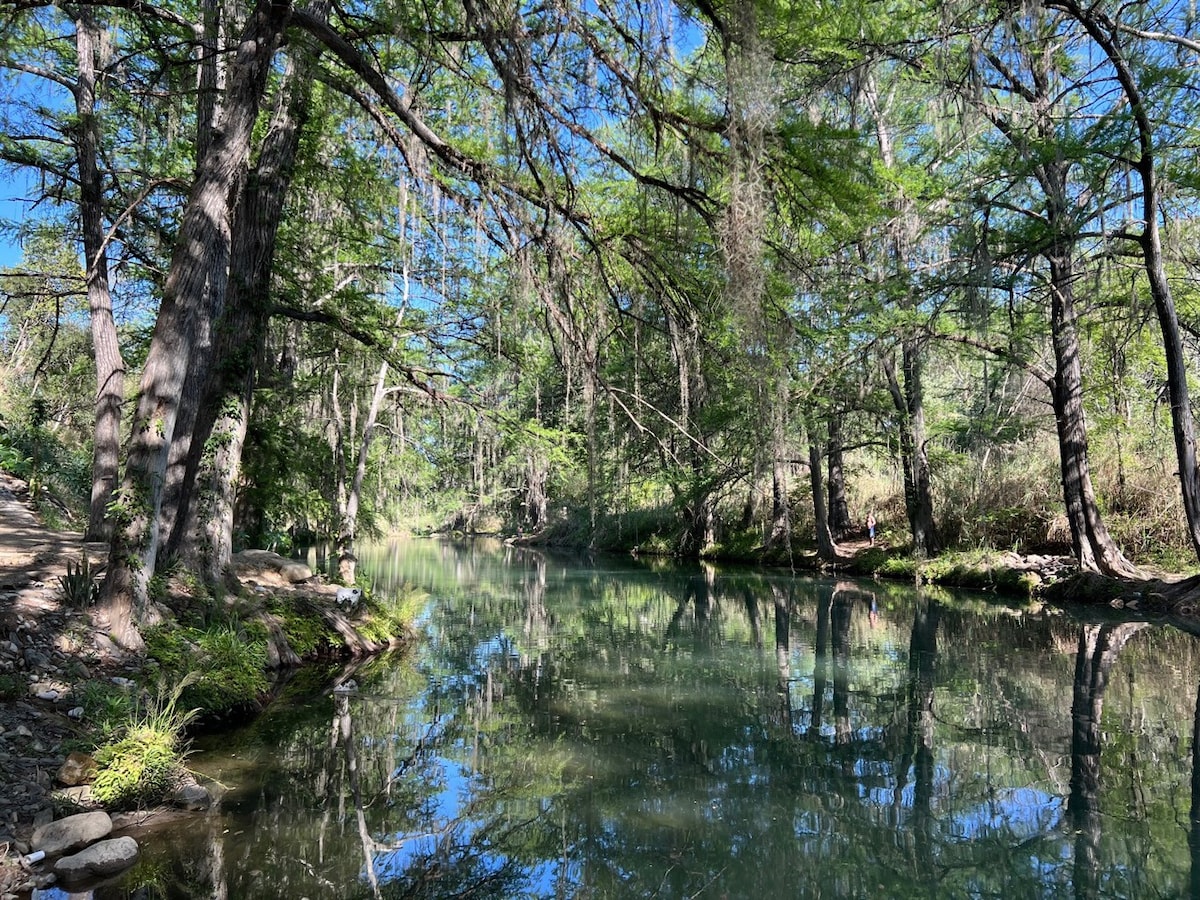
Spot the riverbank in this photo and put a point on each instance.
(1050, 577)
(54, 664)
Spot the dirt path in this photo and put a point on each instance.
(30, 552)
(45, 652)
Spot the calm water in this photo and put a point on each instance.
(606, 728)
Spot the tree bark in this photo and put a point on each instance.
(205, 226)
(840, 523)
(909, 401)
(826, 549)
(1091, 544)
(110, 367)
(1104, 32)
(202, 536)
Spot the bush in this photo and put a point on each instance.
(227, 664)
(144, 761)
(392, 615)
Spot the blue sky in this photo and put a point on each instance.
(13, 203)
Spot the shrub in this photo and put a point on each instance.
(391, 615)
(227, 664)
(142, 763)
(78, 586)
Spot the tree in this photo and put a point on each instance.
(1109, 35)
(1021, 90)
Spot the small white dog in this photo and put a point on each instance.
(348, 597)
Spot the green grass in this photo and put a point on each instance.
(144, 759)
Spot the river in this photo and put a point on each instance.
(592, 728)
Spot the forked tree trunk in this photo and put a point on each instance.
(205, 225)
(110, 367)
(202, 537)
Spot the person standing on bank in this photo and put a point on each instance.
(871, 527)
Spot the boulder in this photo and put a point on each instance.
(192, 797)
(71, 833)
(79, 768)
(104, 858)
(265, 565)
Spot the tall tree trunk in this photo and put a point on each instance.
(780, 537)
(1106, 34)
(110, 367)
(908, 398)
(203, 534)
(907, 390)
(124, 601)
(840, 522)
(826, 549)
(1093, 548)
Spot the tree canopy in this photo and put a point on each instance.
(712, 278)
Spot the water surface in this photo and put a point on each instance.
(600, 728)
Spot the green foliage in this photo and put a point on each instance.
(226, 664)
(106, 707)
(79, 586)
(233, 668)
(391, 614)
(11, 688)
(142, 762)
(306, 630)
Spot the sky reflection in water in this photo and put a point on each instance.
(580, 730)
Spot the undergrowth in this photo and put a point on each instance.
(145, 758)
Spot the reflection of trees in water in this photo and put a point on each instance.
(1194, 812)
(783, 651)
(698, 596)
(1099, 646)
(691, 759)
(918, 755)
(841, 613)
(820, 662)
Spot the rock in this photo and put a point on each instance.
(105, 858)
(79, 796)
(75, 712)
(192, 797)
(72, 832)
(259, 563)
(79, 768)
